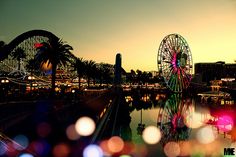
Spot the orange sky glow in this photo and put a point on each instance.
(98, 30)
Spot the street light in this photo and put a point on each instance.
(4, 82)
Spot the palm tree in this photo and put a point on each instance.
(79, 67)
(105, 72)
(139, 76)
(31, 65)
(90, 67)
(54, 53)
(18, 54)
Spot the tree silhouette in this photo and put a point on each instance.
(54, 52)
(90, 69)
(18, 54)
(79, 67)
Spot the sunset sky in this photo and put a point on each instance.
(98, 29)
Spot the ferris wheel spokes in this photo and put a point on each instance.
(175, 62)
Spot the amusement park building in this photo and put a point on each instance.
(214, 71)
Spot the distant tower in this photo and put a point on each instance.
(117, 80)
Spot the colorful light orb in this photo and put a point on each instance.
(43, 129)
(71, 133)
(26, 155)
(61, 150)
(115, 144)
(225, 123)
(92, 151)
(11, 151)
(104, 146)
(206, 135)
(3, 149)
(21, 142)
(41, 147)
(151, 135)
(194, 120)
(124, 155)
(185, 148)
(85, 126)
(140, 150)
(172, 149)
(129, 147)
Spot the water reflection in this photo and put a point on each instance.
(184, 124)
(173, 119)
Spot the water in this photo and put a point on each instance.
(184, 131)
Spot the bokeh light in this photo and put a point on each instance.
(104, 146)
(185, 148)
(115, 144)
(11, 151)
(172, 149)
(194, 120)
(129, 147)
(85, 126)
(92, 151)
(26, 155)
(125, 155)
(140, 150)
(225, 123)
(41, 147)
(21, 142)
(61, 150)
(151, 135)
(43, 129)
(206, 135)
(3, 149)
(71, 133)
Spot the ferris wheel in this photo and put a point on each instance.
(174, 62)
(173, 119)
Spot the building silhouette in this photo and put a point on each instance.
(205, 72)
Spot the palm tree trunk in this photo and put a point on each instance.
(54, 67)
(19, 64)
(101, 80)
(94, 81)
